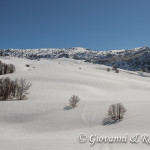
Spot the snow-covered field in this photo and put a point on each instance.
(40, 123)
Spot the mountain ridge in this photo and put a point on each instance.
(136, 59)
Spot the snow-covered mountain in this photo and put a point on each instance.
(132, 59)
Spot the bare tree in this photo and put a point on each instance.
(10, 89)
(74, 100)
(5, 88)
(6, 68)
(22, 88)
(13, 87)
(116, 111)
(11, 68)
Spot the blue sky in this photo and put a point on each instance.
(94, 24)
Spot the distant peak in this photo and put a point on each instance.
(80, 49)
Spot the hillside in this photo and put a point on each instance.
(137, 59)
(41, 123)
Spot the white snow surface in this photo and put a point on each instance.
(40, 123)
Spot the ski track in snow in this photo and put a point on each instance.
(92, 130)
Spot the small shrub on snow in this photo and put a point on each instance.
(117, 70)
(108, 69)
(27, 65)
(73, 101)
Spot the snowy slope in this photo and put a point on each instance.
(40, 123)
